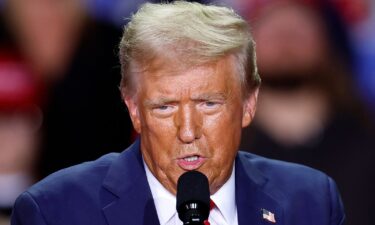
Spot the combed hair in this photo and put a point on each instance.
(190, 32)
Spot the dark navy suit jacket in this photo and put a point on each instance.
(113, 190)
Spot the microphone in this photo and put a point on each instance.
(193, 198)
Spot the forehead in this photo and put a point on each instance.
(179, 75)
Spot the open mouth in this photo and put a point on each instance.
(191, 162)
(191, 158)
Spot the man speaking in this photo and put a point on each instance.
(190, 82)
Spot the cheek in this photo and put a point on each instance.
(158, 136)
(223, 135)
(160, 130)
(225, 126)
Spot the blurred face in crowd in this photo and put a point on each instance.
(190, 119)
(46, 31)
(290, 40)
(18, 141)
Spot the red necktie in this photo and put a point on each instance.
(212, 205)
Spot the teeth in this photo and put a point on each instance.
(191, 158)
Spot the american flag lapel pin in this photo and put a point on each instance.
(268, 216)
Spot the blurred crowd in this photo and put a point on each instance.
(60, 104)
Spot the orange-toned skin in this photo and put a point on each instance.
(184, 112)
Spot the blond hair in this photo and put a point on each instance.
(192, 32)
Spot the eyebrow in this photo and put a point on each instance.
(167, 100)
(209, 96)
(159, 101)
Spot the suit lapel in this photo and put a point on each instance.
(253, 195)
(126, 197)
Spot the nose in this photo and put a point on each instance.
(188, 124)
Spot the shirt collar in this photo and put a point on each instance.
(165, 202)
(225, 199)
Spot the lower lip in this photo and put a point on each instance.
(193, 165)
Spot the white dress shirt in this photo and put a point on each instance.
(225, 212)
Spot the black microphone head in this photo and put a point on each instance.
(193, 197)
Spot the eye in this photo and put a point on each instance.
(163, 110)
(211, 103)
(162, 107)
(210, 106)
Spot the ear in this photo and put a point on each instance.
(131, 103)
(249, 108)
